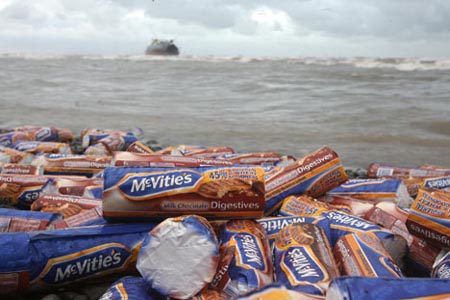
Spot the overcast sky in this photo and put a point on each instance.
(278, 28)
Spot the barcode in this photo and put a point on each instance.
(385, 172)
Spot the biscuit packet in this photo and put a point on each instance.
(245, 262)
(20, 191)
(212, 192)
(313, 175)
(303, 259)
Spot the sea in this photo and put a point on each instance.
(389, 110)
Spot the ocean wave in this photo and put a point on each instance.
(33, 56)
(400, 64)
(403, 64)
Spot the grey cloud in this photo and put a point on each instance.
(214, 14)
(411, 19)
(222, 26)
(404, 19)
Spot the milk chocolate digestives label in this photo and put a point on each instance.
(208, 191)
(314, 175)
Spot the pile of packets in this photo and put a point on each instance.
(192, 222)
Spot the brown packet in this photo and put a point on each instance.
(376, 170)
(197, 151)
(130, 159)
(429, 217)
(139, 147)
(314, 175)
(65, 205)
(255, 158)
(21, 191)
(86, 165)
(76, 186)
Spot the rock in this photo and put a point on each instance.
(356, 173)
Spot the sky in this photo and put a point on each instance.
(278, 28)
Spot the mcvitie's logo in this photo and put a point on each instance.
(159, 182)
(75, 266)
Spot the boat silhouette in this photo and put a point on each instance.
(162, 47)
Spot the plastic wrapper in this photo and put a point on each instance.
(351, 205)
(314, 175)
(9, 138)
(273, 225)
(13, 220)
(278, 291)
(17, 156)
(139, 147)
(197, 151)
(303, 259)
(179, 257)
(420, 258)
(387, 189)
(21, 191)
(363, 254)
(213, 192)
(376, 170)
(441, 183)
(21, 169)
(76, 186)
(429, 217)
(303, 206)
(340, 222)
(441, 266)
(36, 147)
(86, 217)
(256, 158)
(65, 205)
(128, 288)
(390, 216)
(112, 139)
(374, 288)
(97, 150)
(245, 259)
(72, 164)
(49, 259)
(44, 133)
(130, 159)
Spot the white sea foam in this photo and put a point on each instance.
(400, 64)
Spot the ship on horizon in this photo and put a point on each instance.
(162, 47)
